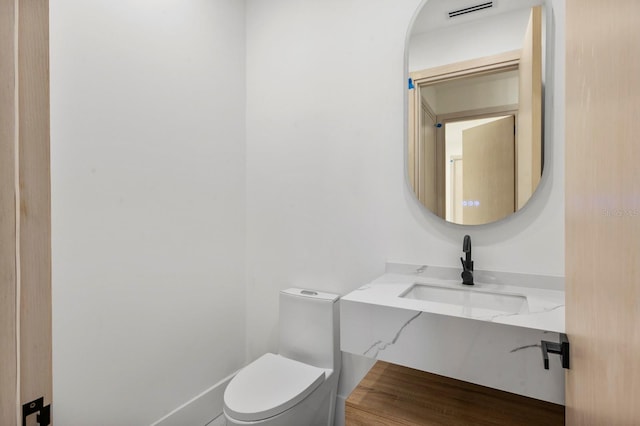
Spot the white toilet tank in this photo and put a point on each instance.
(310, 327)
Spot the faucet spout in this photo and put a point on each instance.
(467, 263)
(466, 247)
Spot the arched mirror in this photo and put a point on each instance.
(475, 137)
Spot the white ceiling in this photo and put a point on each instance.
(434, 14)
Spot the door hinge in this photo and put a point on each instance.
(37, 406)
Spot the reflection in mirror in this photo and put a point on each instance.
(475, 151)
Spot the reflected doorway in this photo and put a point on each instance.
(480, 179)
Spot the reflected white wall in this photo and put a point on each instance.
(469, 40)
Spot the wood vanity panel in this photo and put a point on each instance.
(395, 395)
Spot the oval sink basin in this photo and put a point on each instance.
(468, 298)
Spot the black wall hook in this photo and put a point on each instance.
(561, 348)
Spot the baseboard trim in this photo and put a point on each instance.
(339, 417)
(200, 410)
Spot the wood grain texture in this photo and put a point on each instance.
(412, 137)
(488, 171)
(488, 64)
(395, 395)
(8, 341)
(35, 201)
(602, 211)
(428, 178)
(529, 138)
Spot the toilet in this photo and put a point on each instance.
(297, 386)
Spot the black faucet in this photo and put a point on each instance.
(467, 263)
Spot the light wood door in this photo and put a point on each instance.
(25, 217)
(488, 171)
(8, 323)
(412, 138)
(427, 165)
(529, 140)
(456, 190)
(602, 211)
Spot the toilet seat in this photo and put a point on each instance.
(269, 386)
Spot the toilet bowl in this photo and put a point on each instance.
(297, 386)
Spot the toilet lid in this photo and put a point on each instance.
(268, 386)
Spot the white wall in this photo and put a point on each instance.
(148, 177)
(316, 166)
(483, 37)
(327, 196)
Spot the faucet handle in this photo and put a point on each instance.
(466, 266)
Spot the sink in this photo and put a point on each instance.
(468, 298)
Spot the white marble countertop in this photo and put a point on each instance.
(544, 310)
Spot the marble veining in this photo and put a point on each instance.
(496, 349)
(379, 345)
(524, 347)
(544, 309)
